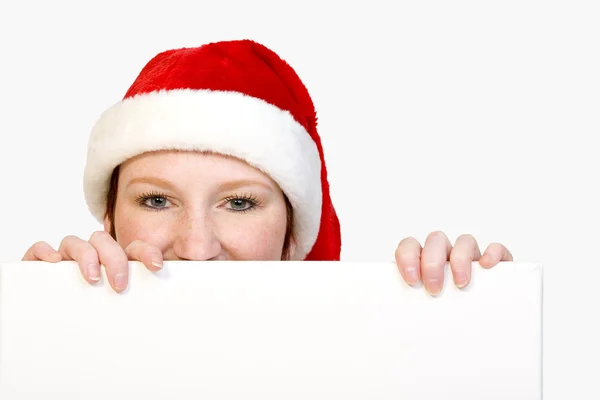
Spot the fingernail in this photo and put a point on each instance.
(120, 281)
(411, 274)
(93, 272)
(157, 263)
(434, 286)
(460, 279)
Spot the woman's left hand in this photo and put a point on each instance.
(427, 263)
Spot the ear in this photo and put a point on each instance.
(107, 224)
(292, 248)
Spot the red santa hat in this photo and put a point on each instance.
(236, 98)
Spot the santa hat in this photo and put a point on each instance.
(235, 98)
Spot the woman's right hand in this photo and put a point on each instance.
(101, 249)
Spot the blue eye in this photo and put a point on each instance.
(156, 202)
(153, 201)
(240, 204)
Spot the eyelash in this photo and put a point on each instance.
(144, 197)
(254, 202)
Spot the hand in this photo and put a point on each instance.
(427, 264)
(101, 249)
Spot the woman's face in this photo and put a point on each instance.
(199, 206)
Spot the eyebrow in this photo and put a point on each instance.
(231, 185)
(152, 181)
(225, 186)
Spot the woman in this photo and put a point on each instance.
(214, 154)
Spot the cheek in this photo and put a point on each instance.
(255, 237)
(249, 236)
(131, 224)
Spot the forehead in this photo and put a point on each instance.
(194, 165)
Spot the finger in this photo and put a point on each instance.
(433, 260)
(74, 248)
(408, 259)
(494, 254)
(465, 251)
(114, 259)
(149, 255)
(42, 251)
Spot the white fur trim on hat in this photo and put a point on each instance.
(229, 123)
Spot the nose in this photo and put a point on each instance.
(196, 240)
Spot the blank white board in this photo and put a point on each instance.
(269, 330)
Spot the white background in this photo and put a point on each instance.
(464, 116)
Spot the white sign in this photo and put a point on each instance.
(271, 330)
